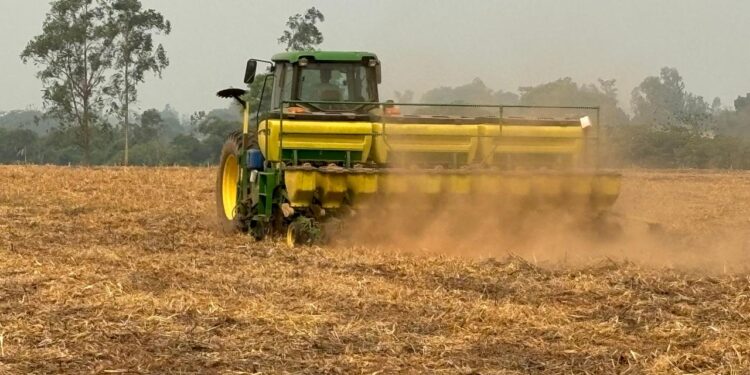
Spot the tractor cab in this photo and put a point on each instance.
(305, 82)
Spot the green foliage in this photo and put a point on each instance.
(33, 120)
(733, 123)
(148, 153)
(73, 54)
(95, 52)
(187, 150)
(217, 127)
(742, 103)
(303, 33)
(158, 139)
(18, 145)
(663, 102)
(673, 147)
(131, 29)
(92, 53)
(150, 127)
(254, 93)
(171, 126)
(215, 130)
(705, 137)
(565, 92)
(475, 92)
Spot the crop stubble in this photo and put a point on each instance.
(122, 270)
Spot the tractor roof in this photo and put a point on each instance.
(323, 56)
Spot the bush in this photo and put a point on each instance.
(674, 147)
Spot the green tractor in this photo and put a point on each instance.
(319, 143)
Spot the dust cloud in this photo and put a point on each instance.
(691, 220)
(546, 236)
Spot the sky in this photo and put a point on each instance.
(426, 44)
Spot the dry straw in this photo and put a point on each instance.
(107, 270)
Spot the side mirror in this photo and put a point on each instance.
(250, 71)
(378, 74)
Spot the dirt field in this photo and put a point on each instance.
(121, 271)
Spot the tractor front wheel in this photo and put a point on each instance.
(228, 208)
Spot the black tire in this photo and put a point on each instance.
(229, 218)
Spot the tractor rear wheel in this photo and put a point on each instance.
(228, 206)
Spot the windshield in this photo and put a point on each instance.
(339, 82)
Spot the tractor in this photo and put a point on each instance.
(318, 143)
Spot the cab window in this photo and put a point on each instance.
(282, 84)
(347, 82)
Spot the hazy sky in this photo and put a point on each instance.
(425, 44)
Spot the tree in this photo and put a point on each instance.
(663, 102)
(742, 103)
(566, 92)
(171, 125)
(132, 28)
(303, 33)
(404, 97)
(253, 96)
(735, 123)
(74, 53)
(150, 127)
(475, 92)
(186, 149)
(17, 145)
(27, 119)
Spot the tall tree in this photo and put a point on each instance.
(74, 53)
(132, 29)
(303, 33)
(663, 102)
(150, 127)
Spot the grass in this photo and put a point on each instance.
(107, 270)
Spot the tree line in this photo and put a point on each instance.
(156, 137)
(669, 127)
(93, 54)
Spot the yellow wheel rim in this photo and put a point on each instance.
(230, 176)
